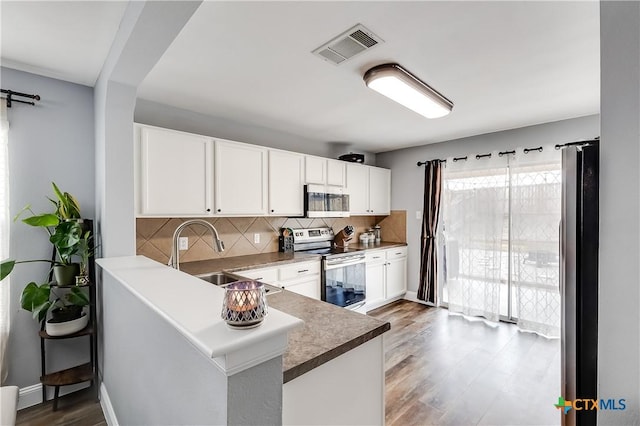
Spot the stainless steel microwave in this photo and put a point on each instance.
(325, 201)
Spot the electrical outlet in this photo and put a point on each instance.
(183, 243)
(256, 238)
(418, 215)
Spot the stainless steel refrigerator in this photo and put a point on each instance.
(579, 279)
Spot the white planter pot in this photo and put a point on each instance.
(68, 327)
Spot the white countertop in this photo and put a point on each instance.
(193, 307)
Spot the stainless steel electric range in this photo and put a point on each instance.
(343, 269)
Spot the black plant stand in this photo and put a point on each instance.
(86, 372)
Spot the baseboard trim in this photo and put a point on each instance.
(107, 408)
(413, 296)
(30, 396)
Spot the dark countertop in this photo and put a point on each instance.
(243, 263)
(374, 246)
(328, 332)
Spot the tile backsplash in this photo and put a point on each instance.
(153, 235)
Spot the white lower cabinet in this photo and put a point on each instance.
(386, 276)
(302, 277)
(375, 262)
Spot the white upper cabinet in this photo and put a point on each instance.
(379, 191)
(358, 188)
(286, 181)
(324, 171)
(174, 175)
(369, 190)
(315, 170)
(180, 174)
(240, 179)
(336, 171)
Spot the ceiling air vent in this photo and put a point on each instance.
(348, 44)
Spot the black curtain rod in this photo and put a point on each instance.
(10, 94)
(578, 143)
(526, 151)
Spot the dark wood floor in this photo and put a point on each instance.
(77, 409)
(441, 369)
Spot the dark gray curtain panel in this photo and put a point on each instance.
(427, 288)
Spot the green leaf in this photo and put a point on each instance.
(35, 299)
(24, 209)
(66, 235)
(68, 207)
(46, 219)
(57, 191)
(6, 267)
(78, 297)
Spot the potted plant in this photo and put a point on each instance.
(64, 227)
(68, 235)
(67, 314)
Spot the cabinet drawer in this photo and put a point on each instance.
(268, 275)
(396, 253)
(298, 270)
(375, 256)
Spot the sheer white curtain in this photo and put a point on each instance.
(474, 206)
(535, 220)
(5, 302)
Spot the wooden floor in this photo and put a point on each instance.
(441, 369)
(77, 409)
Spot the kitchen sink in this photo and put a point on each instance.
(222, 279)
(217, 278)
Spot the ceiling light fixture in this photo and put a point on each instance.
(398, 84)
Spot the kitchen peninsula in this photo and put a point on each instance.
(191, 368)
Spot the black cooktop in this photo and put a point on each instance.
(332, 250)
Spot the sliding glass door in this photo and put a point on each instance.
(498, 238)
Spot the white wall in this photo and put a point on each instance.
(619, 274)
(52, 141)
(156, 114)
(407, 179)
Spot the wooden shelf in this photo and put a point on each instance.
(87, 331)
(70, 376)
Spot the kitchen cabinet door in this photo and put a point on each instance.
(396, 277)
(315, 170)
(336, 172)
(286, 181)
(240, 179)
(308, 286)
(375, 285)
(379, 191)
(358, 188)
(174, 173)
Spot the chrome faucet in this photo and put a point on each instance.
(174, 260)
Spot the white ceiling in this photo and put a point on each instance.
(65, 40)
(504, 64)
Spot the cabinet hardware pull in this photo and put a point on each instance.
(272, 210)
(304, 270)
(376, 257)
(219, 210)
(208, 210)
(259, 278)
(399, 253)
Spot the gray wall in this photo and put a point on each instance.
(153, 375)
(156, 114)
(619, 321)
(52, 141)
(407, 179)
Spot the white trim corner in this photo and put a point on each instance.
(30, 396)
(107, 407)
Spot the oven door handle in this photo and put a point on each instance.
(340, 264)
